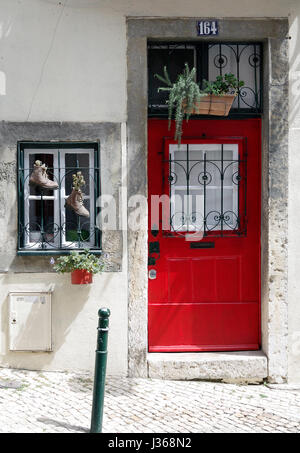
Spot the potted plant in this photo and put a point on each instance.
(186, 97)
(81, 265)
(221, 94)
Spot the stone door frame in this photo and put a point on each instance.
(274, 239)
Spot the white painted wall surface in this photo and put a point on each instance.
(74, 322)
(66, 61)
(62, 62)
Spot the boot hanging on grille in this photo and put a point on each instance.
(40, 178)
(75, 199)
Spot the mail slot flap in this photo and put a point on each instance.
(202, 245)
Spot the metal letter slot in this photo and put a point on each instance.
(202, 245)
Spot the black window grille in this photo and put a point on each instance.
(210, 181)
(46, 223)
(210, 59)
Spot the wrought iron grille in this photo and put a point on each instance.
(210, 182)
(46, 224)
(244, 60)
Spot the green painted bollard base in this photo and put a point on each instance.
(100, 371)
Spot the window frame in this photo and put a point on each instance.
(204, 148)
(201, 57)
(241, 193)
(60, 247)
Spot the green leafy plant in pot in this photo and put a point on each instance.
(187, 98)
(81, 265)
(183, 95)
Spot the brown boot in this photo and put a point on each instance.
(40, 178)
(75, 202)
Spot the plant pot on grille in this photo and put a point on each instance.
(211, 105)
(186, 98)
(81, 265)
(81, 277)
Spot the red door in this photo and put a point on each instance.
(204, 236)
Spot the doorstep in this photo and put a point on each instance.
(236, 367)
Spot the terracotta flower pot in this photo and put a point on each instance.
(81, 277)
(213, 105)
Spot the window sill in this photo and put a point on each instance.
(54, 252)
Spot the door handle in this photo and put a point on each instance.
(152, 274)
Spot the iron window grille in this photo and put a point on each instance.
(210, 59)
(211, 181)
(45, 224)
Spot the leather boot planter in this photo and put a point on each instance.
(75, 199)
(40, 178)
(75, 202)
(81, 277)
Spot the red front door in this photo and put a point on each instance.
(204, 292)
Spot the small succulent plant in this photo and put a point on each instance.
(78, 180)
(224, 84)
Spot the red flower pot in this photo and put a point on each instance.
(81, 277)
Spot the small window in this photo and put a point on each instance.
(207, 188)
(210, 59)
(55, 214)
(174, 59)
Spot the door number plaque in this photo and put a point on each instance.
(207, 27)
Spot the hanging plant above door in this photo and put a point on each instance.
(186, 97)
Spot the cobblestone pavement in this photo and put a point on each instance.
(49, 402)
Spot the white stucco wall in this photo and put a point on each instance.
(62, 62)
(66, 61)
(74, 322)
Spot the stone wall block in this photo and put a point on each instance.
(109, 135)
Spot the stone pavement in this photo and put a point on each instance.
(53, 402)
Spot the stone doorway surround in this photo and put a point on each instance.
(272, 361)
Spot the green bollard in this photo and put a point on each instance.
(100, 370)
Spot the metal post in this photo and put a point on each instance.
(100, 371)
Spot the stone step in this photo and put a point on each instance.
(241, 366)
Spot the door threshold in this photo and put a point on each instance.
(232, 367)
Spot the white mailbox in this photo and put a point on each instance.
(30, 321)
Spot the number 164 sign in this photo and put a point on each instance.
(207, 27)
